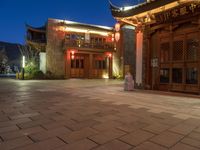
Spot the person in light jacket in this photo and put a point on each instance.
(128, 82)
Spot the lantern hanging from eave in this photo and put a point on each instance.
(117, 27)
(72, 53)
(117, 36)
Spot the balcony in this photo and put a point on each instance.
(39, 41)
(104, 46)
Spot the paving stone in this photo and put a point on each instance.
(14, 122)
(78, 135)
(149, 146)
(194, 135)
(4, 118)
(11, 144)
(137, 137)
(52, 125)
(133, 126)
(8, 129)
(181, 146)
(20, 133)
(107, 118)
(24, 115)
(34, 123)
(84, 144)
(106, 136)
(49, 134)
(79, 125)
(192, 142)
(49, 144)
(156, 128)
(192, 121)
(167, 139)
(197, 129)
(182, 129)
(80, 118)
(172, 121)
(114, 145)
(107, 125)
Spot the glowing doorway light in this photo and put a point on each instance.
(23, 61)
(105, 76)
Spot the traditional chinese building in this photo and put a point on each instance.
(167, 33)
(76, 50)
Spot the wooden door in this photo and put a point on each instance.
(79, 65)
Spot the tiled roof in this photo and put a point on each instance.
(39, 29)
(137, 9)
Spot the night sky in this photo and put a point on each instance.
(14, 14)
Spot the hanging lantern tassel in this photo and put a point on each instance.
(117, 27)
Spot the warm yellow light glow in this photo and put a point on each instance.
(70, 29)
(117, 27)
(105, 76)
(23, 61)
(117, 36)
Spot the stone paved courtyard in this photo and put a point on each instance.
(95, 114)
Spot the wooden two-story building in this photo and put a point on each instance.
(77, 50)
(167, 43)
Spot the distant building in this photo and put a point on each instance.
(167, 43)
(75, 50)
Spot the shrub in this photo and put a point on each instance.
(38, 75)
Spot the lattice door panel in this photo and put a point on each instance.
(164, 52)
(177, 50)
(192, 49)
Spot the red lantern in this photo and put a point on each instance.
(72, 53)
(117, 36)
(108, 54)
(117, 27)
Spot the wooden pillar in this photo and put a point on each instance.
(110, 66)
(171, 59)
(67, 64)
(90, 74)
(199, 57)
(148, 58)
(139, 58)
(184, 69)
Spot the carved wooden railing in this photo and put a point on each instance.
(81, 44)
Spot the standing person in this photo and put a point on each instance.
(128, 83)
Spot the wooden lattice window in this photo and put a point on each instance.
(164, 75)
(100, 63)
(192, 76)
(177, 74)
(177, 50)
(192, 49)
(164, 52)
(77, 62)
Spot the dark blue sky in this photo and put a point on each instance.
(15, 13)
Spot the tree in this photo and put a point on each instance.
(31, 58)
(29, 53)
(3, 60)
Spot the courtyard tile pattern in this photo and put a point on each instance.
(95, 115)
